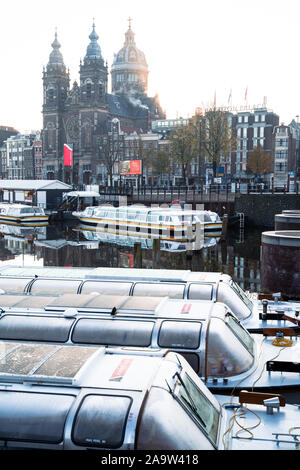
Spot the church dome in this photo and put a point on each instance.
(130, 57)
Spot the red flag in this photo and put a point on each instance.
(68, 154)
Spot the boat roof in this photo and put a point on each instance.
(82, 194)
(112, 273)
(78, 366)
(72, 304)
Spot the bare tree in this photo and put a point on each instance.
(215, 136)
(259, 161)
(111, 148)
(184, 146)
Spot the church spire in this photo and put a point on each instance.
(129, 35)
(93, 50)
(55, 58)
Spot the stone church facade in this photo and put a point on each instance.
(82, 114)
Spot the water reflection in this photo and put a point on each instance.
(238, 256)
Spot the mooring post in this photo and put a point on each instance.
(224, 226)
(137, 251)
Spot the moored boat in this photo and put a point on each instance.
(122, 399)
(22, 214)
(254, 313)
(165, 223)
(216, 344)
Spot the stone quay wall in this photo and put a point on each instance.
(260, 209)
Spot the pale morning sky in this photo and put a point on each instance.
(194, 49)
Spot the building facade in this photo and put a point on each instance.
(17, 157)
(80, 115)
(252, 128)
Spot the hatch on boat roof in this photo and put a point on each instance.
(105, 302)
(42, 362)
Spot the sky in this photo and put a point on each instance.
(236, 52)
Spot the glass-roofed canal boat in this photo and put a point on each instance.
(254, 313)
(94, 398)
(212, 339)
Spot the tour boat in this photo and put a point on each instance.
(253, 312)
(215, 343)
(120, 399)
(29, 216)
(165, 223)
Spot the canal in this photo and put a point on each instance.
(62, 245)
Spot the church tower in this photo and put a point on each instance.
(56, 84)
(93, 74)
(129, 72)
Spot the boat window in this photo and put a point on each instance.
(105, 287)
(99, 212)
(240, 332)
(26, 210)
(89, 211)
(121, 214)
(226, 355)
(23, 416)
(33, 328)
(192, 359)
(173, 334)
(152, 218)
(200, 291)
(202, 410)
(113, 332)
(162, 289)
(241, 294)
(101, 421)
(131, 215)
(14, 285)
(50, 286)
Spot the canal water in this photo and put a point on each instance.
(63, 245)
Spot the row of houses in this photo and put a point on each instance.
(22, 154)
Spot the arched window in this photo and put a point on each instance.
(88, 90)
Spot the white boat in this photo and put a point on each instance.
(22, 214)
(218, 347)
(164, 223)
(120, 399)
(253, 312)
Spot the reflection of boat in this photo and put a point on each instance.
(164, 223)
(95, 234)
(29, 216)
(23, 232)
(216, 344)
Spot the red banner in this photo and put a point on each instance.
(68, 154)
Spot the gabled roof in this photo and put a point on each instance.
(33, 184)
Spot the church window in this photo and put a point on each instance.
(88, 90)
(50, 94)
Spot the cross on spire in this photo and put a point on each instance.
(129, 21)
